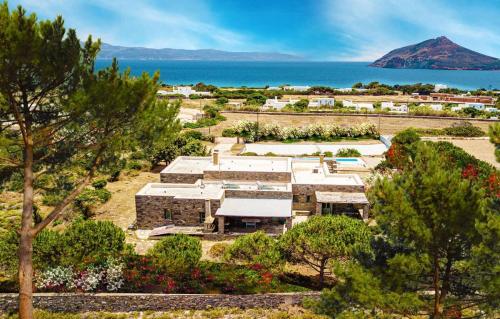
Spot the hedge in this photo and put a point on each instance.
(251, 131)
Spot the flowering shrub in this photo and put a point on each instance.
(103, 278)
(250, 131)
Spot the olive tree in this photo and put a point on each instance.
(322, 239)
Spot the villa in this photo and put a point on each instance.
(322, 102)
(298, 88)
(235, 194)
(182, 90)
(358, 106)
(403, 108)
(278, 104)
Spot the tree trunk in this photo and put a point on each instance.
(322, 273)
(438, 306)
(26, 237)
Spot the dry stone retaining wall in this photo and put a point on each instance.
(120, 302)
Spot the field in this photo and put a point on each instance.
(387, 125)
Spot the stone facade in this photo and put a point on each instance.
(179, 178)
(303, 192)
(150, 211)
(236, 193)
(248, 176)
(122, 302)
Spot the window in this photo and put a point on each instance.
(308, 198)
(295, 198)
(202, 217)
(167, 214)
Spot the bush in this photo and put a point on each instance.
(192, 134)
(270, 154)
(328, 154)
(255, 248)
(51, 199)
(348, 152)
(176, 253)
(47, 249)
(86, 242)
(464, 129)
(99, 184)
(194, 148)
(218, 250)
(249, 131)
(89, 199)
(134, 165)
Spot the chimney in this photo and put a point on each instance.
(215, 157)
(321, 158)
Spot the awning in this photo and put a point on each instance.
(341, 198)
(253, 207)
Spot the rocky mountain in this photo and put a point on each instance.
(109, 51)
(439, 53)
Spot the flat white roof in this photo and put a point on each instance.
(251, 164)
(252, 207)
(189, 191)
(311, 172)
(299, 149)
(188, 165)
(341, 198)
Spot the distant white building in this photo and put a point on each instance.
(273, 88)
(457, 108)
(403, 108)
(439, 87)
(299, 88)
(490, 109)
(365, 106)
(386, 105)
(477, 106)
(278, 104)
(358, 106)
(182, 90)
(322, 102)
(436, 107)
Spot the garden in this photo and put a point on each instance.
(252, 131)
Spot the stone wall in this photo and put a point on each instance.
(257, 194)
(121, 302)
(248, 176)
(178, 178)
(150, 211)
(301, 191)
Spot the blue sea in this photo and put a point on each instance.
(334, 74)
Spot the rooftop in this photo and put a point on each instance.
(188, 165)
(341, 198)
(255, 207)
(192, 191)
(311, 172)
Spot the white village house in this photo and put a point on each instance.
(182, 90)
(278, 104)
(322, 102)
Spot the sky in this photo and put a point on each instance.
(323, 30)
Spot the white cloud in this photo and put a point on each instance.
(371, 28)
(144, 23)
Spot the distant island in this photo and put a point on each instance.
(440, 53)
(109, 51)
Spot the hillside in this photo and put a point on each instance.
(109, 51)
(439, 53)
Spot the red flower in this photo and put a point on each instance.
(267, 277)
(196, 273)
(256, 267)
(469, 172)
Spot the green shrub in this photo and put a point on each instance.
(9, 243)
(176, 253)
(47, 249)
(270, 154)
(51, 199)
(328, 154)
(99, 184)
(194, 148)
(192, 134)
(249, 154)
(229, 132)
(91, 241)
(255, 248)
(464, 129)
(348, 152)
(218, 250)
(134, 165)
(89, 199)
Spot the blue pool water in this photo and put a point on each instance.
(346, 159)
(335, 74)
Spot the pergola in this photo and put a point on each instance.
(358, 200)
